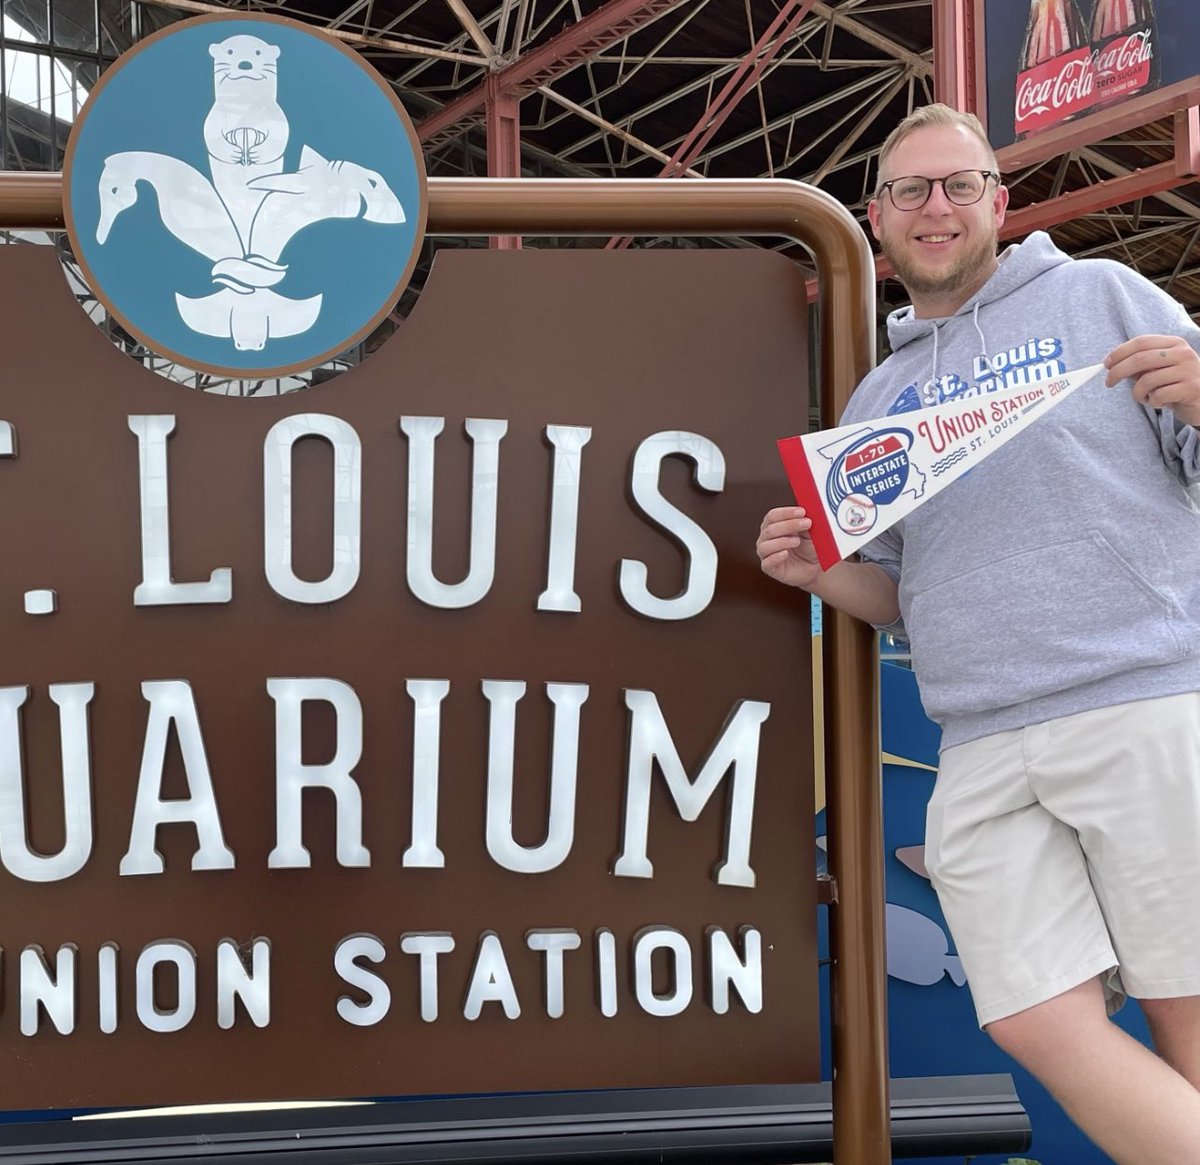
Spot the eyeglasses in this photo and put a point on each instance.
(963, 188)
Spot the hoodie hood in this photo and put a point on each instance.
(1018, 265)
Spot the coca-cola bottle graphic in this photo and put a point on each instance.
(1054, 74)
(1125, 48)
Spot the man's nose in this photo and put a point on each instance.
(937, 202)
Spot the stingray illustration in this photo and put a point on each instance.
(246, 214)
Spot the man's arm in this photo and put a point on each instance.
(786, 553)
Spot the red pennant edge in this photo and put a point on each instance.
(804, 486)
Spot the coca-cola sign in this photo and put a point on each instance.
(1052, 92)
(1124, 64)
(1051, 63)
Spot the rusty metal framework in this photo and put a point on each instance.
(800, 89)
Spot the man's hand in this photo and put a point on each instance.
(785, 547)
(1165, 371)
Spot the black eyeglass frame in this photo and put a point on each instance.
(936, 181)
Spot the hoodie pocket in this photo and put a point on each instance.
(1037, 621)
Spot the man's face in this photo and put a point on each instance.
(942, 253)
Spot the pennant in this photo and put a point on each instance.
(856, 481)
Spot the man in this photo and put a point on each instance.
(1051, 597)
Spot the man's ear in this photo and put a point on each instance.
(874, 214)
(1000, 205)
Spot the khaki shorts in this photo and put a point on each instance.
(1071, 849)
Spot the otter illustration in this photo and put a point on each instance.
(245, 132)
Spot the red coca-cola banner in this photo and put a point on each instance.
(1124, 64)
(1053, 91)
(1049, 63)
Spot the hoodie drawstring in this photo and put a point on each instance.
(983, 352)
(982, 340)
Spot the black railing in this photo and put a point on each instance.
(932, 1116)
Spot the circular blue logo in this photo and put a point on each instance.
(245, 195)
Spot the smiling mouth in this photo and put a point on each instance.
(936, 238)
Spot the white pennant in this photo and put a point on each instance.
(858, 480)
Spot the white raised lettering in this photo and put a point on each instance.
(568, 442)
(567, 699)
(700, 574)
(736, 748)
(171, 702)
(486, 436)
(293, 776)
(18, 859)
(279, 518)
(346, 962)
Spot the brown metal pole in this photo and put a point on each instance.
(563, 206)
(854, 813)
(31, 201)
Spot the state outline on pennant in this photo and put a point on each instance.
(842, 441)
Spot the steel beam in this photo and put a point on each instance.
(1179, 268)
(1187, 142)
(1127, 187)
(387, 44)
(743, 79)
(832, 65)
(868, 35)
(610, 23)
(471, 27)
(1124, 187)
(843, 146)
(953, 61)
(839, 97)
(1174, 201)
(1108, 123)
(608, 127)
(726, 67)
(1101, 196)
(503, 122)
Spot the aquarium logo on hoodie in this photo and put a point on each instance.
(1035, 360)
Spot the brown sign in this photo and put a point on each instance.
(320, 778)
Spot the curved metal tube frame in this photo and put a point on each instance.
(484, 206)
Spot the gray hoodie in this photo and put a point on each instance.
(1062, 573)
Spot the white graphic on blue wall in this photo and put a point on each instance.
(918, 949)
(259, 173)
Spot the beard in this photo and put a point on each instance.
(970, 267)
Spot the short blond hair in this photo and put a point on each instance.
(937, 115)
